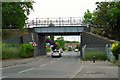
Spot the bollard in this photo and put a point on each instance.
(93, 59)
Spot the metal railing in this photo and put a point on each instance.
(60, 21)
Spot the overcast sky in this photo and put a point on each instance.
(62, 8)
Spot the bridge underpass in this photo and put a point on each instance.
(39, 34)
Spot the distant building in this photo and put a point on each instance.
(72, 45)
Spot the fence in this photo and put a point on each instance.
(105, 49)
(110, 56)
(60, 21)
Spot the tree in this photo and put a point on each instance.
(87, 17)
(113, 18)
(60, 42)
(108, 16)
(14, 14)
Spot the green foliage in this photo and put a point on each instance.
(98, 55)
(77, 47)
(47, 37)
(10, 51)
(52, 38)
(116, 50)
(75, 42)
(26, 50)
(48, 49)
(69, 48)
(87, 16)
(105, 34)
(107, 14)
(60, 42)
(97, 31)
(67, 42)
(14, 14)
(7, 34)
(63, 47)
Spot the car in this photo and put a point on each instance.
(56, 53)
(76, 50)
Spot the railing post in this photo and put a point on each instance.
(71, 20)
(59, 20)
(47, 21)
(36, 22)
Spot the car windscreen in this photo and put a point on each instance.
(55, 51)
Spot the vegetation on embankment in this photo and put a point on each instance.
(17, 51)
(106, 16)
(11, 33)
(98, 55)
(11, 51)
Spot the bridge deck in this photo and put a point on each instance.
(59, 30)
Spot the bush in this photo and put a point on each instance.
(69, 48)
(48, 49)
(94, 31)
(97, 31)
(105, 34)
(116, 50)
(98, 55)
(26, 50)
(8, 51)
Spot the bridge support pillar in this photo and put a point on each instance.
(41, 45)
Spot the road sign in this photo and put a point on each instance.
(48, 44)
(34, 44)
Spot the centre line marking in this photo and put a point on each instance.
(52, 61)
(59, 59)
(26, 70)
(43, 65)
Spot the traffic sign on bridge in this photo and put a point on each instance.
(34, 44)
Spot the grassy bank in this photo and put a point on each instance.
(17, 51)
(98, 55)
(13, 51)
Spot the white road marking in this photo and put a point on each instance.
(52, 61)
(3, 77)
(59, 59)
(26, 70)
(42, 65)
(78, 70)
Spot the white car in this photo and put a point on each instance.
(56, 53)
(76, 50)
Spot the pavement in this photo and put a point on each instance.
(22, 61)
(99, 69)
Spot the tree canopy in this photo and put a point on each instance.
(87, 16)
(106, 15)
(14, 14)
(60, 42)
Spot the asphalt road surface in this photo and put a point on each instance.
(65, 67)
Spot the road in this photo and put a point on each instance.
(65, 67)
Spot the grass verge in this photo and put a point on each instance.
(98, 55)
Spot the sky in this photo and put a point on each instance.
(62, 8)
